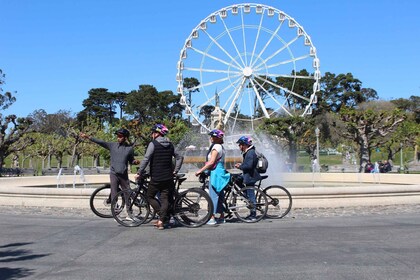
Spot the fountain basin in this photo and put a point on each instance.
(308, 190)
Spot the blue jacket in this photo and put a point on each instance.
(249, 167)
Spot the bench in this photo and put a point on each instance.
(15, 172)
(54, 171)
(342, 168)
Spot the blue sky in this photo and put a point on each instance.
(54, 52)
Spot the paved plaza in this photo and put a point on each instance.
(379, 242)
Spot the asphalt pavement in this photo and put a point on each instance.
(380, 242)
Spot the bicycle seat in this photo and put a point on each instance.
(264, 177)
(180, 180)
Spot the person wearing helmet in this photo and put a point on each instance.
(159, 156)
(219, 178)
(249, 168)
(122, 154)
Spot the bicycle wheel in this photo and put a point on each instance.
(279, 201)
(152, 212)
(100, 202)
(243, 205)
(131, 213)
(152, 215)
(193, 207)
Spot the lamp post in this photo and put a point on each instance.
(401, 157)
(317, 149)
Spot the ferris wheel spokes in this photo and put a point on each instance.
(256, 39)
(233, 42)
(257, 94)
(286, 90)
(211, 99)
(292, 60)
(230, 97)
(222, 49)
(273, 98)
(232, 104)
(290, 76)
(208, 84)
(244, 36)
(215, 58)
(212, 70)
(276, 52)
(269, 41)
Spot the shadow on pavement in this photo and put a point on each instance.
(11, 256)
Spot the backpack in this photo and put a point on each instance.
(262, 165)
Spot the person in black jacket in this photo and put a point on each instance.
(249, 168)
(122, 154)
(159, 154)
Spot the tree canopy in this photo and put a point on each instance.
(147, 104)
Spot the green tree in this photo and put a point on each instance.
(411, 105)
(147, 104)
(303, 87)
(12, 128)
(342, 90)
(288, 130)
(366, 125)
(120, 98)
(50, 123)
(100, 104)
(191, 85)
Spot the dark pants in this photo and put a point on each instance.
(166, 190)
(118, 180)
(251, 195)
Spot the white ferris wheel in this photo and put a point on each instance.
(251, 62)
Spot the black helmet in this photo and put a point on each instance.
(124, 132)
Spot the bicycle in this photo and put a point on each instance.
(100, 199)
(191, 207)
(236, 199)
(279, 199)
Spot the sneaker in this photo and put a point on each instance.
(128, 218)
(174, 223)
(221, 221)
(212, 222)
(131, 218)
(251, 218)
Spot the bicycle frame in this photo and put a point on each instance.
(234, 193)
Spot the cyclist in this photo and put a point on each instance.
(248, 166)
(159, 154)
(122, 154)
(219, 178)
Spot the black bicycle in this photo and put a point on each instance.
(237, 200)
(100, 199)
(279, 199)
(191, 208)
